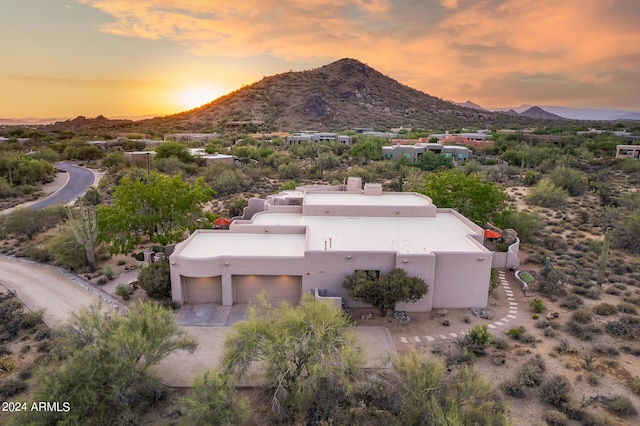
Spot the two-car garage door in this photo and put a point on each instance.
(203, 290)
(281, 288)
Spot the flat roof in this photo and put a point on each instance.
(356, 199)
(419, 235)
(204, 244)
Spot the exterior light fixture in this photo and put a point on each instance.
(481, 259)
(405, 261)
(226, 264)
(348, 257)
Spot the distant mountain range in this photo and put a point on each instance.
(563, 112)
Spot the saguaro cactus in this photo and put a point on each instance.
(85, 229)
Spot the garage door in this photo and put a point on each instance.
(203, 290)
(281, 288)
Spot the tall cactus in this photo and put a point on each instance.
(85, 229)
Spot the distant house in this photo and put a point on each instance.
(315, 137)
(628, 151)
(477, 140)
(205, 159)
(185, 137)
(413, 152)
(139, 158)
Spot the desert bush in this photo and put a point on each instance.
(108, 272)
(573, 181)
(572, 302)
(556, 391)
(67, 251)
(555, 418)
(123, 291)
(627, 308)
(582, 315)
(500, 343)
(634, 384)
(39, 254)
(607, 350)
(477, 339)
(605, 309)
(12, 387)
(621, 406)
(624, 235)
(584, 332)
(537, 305)
(627, 327)
(512, 387)
(546, 194)
(530, 374)
(516, 332)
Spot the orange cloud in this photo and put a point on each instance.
(452, 48)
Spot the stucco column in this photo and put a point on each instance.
(227, 290)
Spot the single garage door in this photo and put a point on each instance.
(203, 290)
(281, 288)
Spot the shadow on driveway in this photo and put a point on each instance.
(208, 314)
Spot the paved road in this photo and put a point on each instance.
(80, 179)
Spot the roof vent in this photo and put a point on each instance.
(372, 189)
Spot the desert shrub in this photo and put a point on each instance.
(605, 309)
(593, 292)
(39, 254)
(515, 332)
(512, 387)
(108, 272)
(155, 279)
(584, 332)
(477, 339)
(12, 387)
(526, 224)
(573, 181)
(607, 350)
(556, 391)
(572, 302)
(624, 235)
(546, 194)
(627, 327)
(621, 406)
(500, 343)
(612, 291)
(123, 291)
(537, 305)
(593, 379)
(236, 207)
(31, 319)
(530, 374)
(627, 308)
(582, 315)
(555, 418)
(634, 384)
(67, 251)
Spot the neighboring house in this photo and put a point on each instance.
(139, 158)
(184, 137)
(309, 239)
(413, 152)
(315, 137)
(628, 151)
(204, 159)
(477, 140)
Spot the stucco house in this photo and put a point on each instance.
(315, 137)
(628, 151)
(413, 152)
(309, 239)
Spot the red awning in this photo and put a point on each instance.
(491, 234)
(222, 221)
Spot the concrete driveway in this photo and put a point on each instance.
(60, 294)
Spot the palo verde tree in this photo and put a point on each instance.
(384, 291)
(101, 364)
(302, 348)
(474, 197)
(160, 208)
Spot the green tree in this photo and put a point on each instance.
(431, 161)
(213, 400)
(102, 364)
(236, 208)
(156, 280)
(367, 148)
(526, 224)
(431, 394)
(173, 149)
(471, 195)
(546, 194)
(161, 208)
(301, 348)
(575, 182)
(385, 291)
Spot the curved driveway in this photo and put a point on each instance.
(80, 179)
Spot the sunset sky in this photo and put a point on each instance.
(64, 58)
